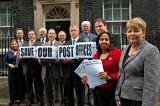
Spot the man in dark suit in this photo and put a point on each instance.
(51, 73)
(20, 36)
(88, 37)
(62, 38)
(101, 26)
(20, 39)
(86, 34)
(43, 35)
(74, 80)
(32, 74)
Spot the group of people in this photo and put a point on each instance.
(132, 76)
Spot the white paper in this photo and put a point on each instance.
(91, 68)
(80, 70)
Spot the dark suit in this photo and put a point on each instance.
(51, 74)
(33, 75)
(139, 75)
(43, 42)
(87, 37)
(73, 79)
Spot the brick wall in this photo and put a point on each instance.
(90, 10)
(147, 9)
(24, 14)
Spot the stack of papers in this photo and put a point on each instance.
(91, 68)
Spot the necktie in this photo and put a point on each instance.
(73, 42)
(42, 40)
(20, 43)
(51, 43)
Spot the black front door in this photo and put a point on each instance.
(58, 26)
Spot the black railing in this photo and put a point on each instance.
(5, 37)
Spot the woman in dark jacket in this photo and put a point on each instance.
(15, 76)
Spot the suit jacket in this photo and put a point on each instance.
(89, 36)
(46, 40)
(70, 66)
(77, 62)
(139, 75)
(31, 63)
(53, 64)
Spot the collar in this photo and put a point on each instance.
(52, 42)
(20, 40)
(75, 39)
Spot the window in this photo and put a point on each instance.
(117, 13)
(6, 24)
(58, 13)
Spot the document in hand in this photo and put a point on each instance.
(91, 68)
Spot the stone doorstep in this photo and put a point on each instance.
(6, 104)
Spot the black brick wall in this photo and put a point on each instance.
(148, 10)
(24, 14)
(90, 10)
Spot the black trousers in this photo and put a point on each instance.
(79, 89)
(16, 85)
(125, 102)
(33, 77)
(52, 86)
(68, 91)
(104, 96)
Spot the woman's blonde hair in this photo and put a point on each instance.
(137, 23)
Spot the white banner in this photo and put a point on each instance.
(79, 50)
(66, 51)
(27, 52)
(85, 49)
(46, 52)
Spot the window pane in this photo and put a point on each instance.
(116, 3)
(116, 14)
(3, 20)
(3, 11)
(10, 23)
(124, 27)
(116, 27)
(109, 27)
(108, 14)
(125, 14)
(125, 5)
(107, 4)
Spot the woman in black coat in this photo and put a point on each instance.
(15, 76)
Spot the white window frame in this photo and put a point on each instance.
(118, 21)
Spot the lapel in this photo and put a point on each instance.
(140, 48)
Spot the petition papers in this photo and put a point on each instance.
(91, 68)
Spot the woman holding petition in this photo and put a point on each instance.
(109, 55)
(138, 83)
(11, 59)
